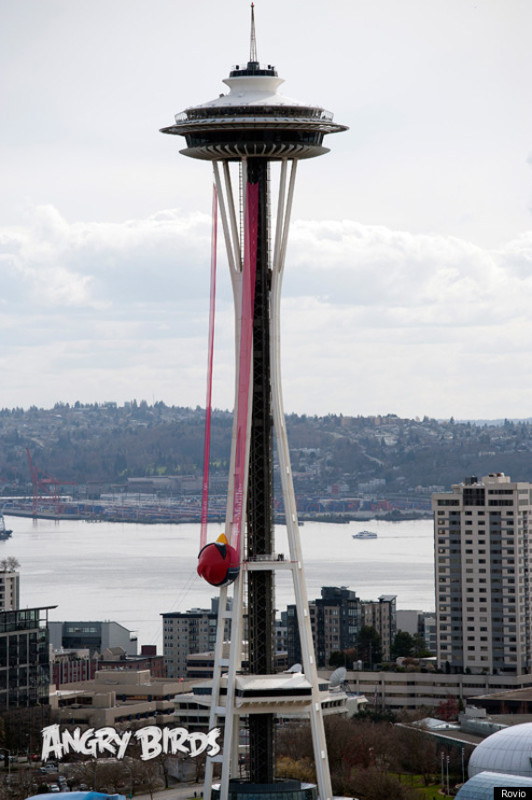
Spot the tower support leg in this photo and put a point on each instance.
(266, 419)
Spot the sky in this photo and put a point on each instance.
(408, 285)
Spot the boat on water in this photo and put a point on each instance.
(5, 533)
(365, 535)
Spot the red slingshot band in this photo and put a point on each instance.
(208, 403)
(219, 562)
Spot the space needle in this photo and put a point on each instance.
(254, 136)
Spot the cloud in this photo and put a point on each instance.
(105, 264)
(410, 323)
(371, 265)
(389, 320)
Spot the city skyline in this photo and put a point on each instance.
(407, 282)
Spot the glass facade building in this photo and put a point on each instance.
(24, 657)
(507, 751)
(481, 786)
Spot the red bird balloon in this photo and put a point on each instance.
(218, 562)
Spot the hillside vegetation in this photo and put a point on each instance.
(107, 444)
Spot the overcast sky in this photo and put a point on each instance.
(409, 273)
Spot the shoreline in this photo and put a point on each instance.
(157, 519)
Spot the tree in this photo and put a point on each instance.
(18, 785)
(369, 647)
(374, 784)
(358, 744)
(350, 656)
(417, 753)
(402, 645)
(20, 728)
(336, 659)
(10, 564)
(447, 709)
(420, 646)
(301, 769)
(151, 776)
(294, 740)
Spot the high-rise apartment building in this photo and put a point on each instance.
(188, 632)
(381, 614)
(428, 631)
(192, 631)
(9, 589)
(24, 657)
(24, 645)
(335, 617)
(483, 554)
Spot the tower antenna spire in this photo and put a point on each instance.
(253, 40)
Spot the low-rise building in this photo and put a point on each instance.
(509, 701)
(96, 636)
(414, 690)
(116, 658)
(72, 666)
(124, 699)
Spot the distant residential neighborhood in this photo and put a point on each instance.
(341, 464)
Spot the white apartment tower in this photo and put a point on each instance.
(483, 576)
(9, 589)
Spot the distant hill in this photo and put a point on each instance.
(105, 444)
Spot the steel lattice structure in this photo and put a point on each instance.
(251, 129)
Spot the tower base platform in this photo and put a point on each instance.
(280, 790)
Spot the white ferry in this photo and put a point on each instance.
(365, 535)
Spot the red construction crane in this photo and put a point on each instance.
(45, 487)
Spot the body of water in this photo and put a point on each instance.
(131, 573)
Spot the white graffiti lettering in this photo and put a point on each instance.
(109, 742)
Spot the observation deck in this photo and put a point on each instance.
(253, 120)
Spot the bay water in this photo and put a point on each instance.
(131, 573)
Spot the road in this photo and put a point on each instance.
(184, 791)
